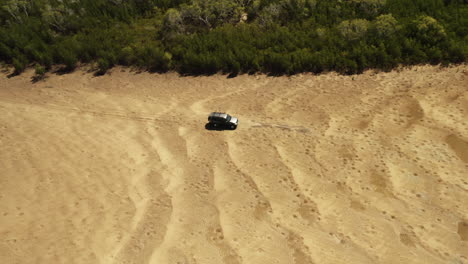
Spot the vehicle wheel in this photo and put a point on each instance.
(233, 127)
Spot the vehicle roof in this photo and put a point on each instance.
(218, 114)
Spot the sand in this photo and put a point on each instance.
(369, 168)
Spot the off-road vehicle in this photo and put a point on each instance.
(222, 121)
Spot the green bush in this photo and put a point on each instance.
(19, 65)
(127, 56)
(40, 72)
(103, 66)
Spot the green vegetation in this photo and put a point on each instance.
(40, 72)
(233, 36)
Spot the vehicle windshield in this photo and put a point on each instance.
(228, 118)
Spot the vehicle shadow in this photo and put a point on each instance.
(209, 126)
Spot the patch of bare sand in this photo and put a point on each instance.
(369, 168)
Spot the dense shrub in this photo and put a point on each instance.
(242, 36)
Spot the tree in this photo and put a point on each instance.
(269, 15)
(17, 8)
(428, 30)
(55, 16)
(385, 25)
(369, 7)
(297, 10)
(211, 13)
(353, 29)
(173, 23)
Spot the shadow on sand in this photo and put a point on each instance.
(209, 126)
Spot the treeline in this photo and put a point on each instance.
(233, 36)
